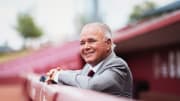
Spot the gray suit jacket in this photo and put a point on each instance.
(112, 77)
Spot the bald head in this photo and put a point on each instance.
(100, 27)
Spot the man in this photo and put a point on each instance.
(104, 71)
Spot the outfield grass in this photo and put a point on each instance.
(13, 55)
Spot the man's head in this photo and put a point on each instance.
(95, 42)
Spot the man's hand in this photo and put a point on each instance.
(51, 75)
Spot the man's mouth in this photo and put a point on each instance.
(89, 54)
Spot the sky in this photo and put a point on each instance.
(57, 17)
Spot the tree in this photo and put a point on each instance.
(27, 27)
(140, 9)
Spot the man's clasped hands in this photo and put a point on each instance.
(52, 76)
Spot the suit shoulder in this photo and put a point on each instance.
(116, 61)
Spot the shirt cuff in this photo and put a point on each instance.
(56, 77)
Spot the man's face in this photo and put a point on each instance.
(94, 47)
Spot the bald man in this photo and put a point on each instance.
(103, 71)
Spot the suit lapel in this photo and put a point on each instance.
(105, 61)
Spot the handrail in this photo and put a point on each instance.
(39, 91)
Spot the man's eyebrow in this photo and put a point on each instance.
(81, 41)
(91, 39)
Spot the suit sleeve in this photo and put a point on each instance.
(68, 77)
(108, 78)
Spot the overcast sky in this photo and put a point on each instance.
(57, 17)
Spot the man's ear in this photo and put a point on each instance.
(109, 41)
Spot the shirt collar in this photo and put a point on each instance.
(95, 68)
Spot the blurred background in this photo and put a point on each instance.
(61, 20)
(37, 35)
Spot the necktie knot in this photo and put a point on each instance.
(91, 73)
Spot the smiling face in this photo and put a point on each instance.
(94, 46)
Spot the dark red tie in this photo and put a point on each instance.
(91, 73)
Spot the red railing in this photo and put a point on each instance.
(39, 91)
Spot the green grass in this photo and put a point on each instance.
(13, 55)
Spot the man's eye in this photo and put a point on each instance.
(82, 43)
(92, 41)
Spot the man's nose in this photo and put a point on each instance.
(86, 46)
